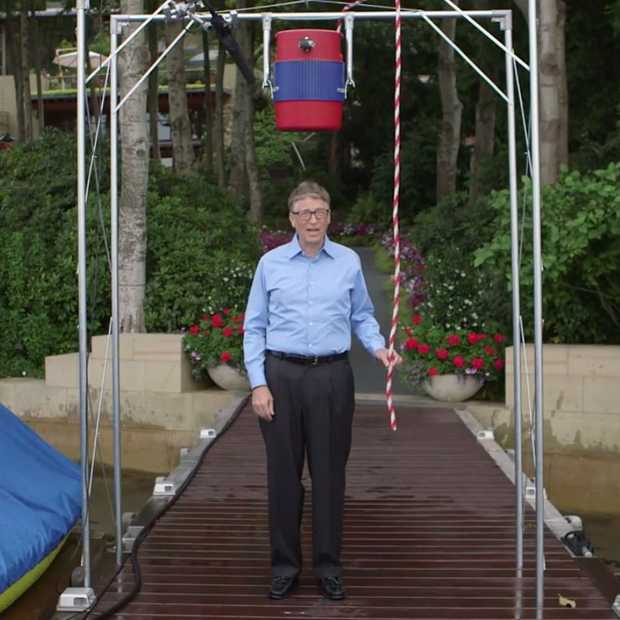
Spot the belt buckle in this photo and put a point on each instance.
(315, 361)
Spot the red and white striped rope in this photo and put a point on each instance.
(395, 203)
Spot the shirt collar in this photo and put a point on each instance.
(329, 247)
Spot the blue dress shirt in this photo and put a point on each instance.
(307, 306)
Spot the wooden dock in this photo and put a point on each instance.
(429, 533)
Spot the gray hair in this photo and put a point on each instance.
(308, 189)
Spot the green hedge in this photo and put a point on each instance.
(581, 255)
(201, 253)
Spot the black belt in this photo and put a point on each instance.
(312, 360)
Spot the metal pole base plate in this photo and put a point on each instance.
(76, 599)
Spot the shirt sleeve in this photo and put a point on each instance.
(255, 329)
(363, 321)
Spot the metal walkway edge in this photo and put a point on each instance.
(429, 533)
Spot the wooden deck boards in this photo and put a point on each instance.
(429, 534)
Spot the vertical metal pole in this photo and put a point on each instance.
(82, 301)
(516, 296)
(537, 260)
(116, 414)
(266, 50)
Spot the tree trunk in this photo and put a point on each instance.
(333, 161)
(37, 68)
(553, 83)
(134, 178)
(208, 105)
(219, 116)
(553, 91)
(14, 64)
(182, 148)
(26, 99)
(485, 133)
(256, 197)
(452, 111)
(237, 177)
(153, 92)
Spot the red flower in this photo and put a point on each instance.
(477, 363)
(472, 337)
(240, 330)
(432, 372)
(217, 320)
(409, 331)
(453, 340)
(499, 364)
(227, 331)
(458, 361)
(194, 330)
(416, 319)
(442, 354)
(226, 311)
(206, 318)
(482, 337)
(423, 349)
(499, 338)
(410, 344)
(225, 357)
(489, 350)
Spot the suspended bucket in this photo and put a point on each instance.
(309, 80)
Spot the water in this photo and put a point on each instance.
(39, 602)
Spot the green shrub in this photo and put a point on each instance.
(581, 257)
(38, 255)
(201, 253)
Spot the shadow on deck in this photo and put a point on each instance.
(429, 533)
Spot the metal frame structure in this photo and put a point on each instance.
(504, 17)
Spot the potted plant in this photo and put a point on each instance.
(451, 364)
(215, 346)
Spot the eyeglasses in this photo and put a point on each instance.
(305, 214)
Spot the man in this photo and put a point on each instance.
(306, 297)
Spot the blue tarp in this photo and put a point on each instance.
(40, 498)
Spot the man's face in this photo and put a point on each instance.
(310, 218)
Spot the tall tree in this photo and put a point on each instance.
(451, 115)
(153, 89)
(24, 54)
(237, 177)
(36, 57)
(134, 178)
(244, 176)
(486, 112)
(208, 104)
(182, 148)
(219, 116)
(553, 86)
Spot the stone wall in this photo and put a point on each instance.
(162, 407)
(581, 412)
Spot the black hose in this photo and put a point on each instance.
(149, 526)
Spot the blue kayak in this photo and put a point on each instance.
(40, 502)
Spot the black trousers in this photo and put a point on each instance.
(313, 415)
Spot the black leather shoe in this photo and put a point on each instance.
(282, 586)
(332, 588)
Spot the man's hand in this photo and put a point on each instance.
(383, 355)
(262, 402)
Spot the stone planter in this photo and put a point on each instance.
(229, 378)
(452, 388)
